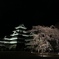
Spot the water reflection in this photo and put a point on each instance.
(47, 54)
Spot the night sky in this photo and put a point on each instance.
(13, 13)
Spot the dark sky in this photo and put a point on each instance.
(13, 13)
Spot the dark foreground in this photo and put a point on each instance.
(17, 54)
(24, 55)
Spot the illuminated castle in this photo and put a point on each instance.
(17, 40)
